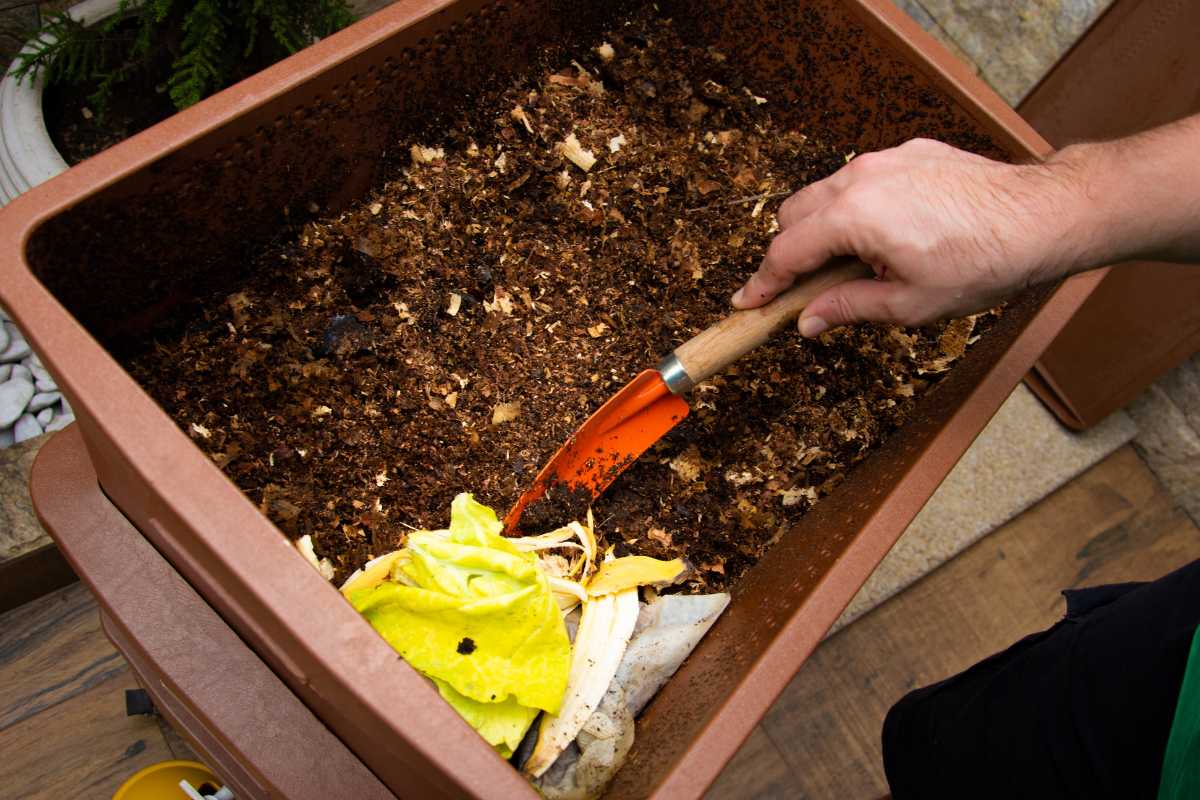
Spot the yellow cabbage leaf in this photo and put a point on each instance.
(476, 615)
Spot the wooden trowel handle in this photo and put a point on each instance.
(715, 348)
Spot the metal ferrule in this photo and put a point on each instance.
(674, 375)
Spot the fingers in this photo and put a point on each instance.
(805, 202)
(800, 249)
(854, 301)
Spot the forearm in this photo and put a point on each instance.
(948, 233)
(1137, 197)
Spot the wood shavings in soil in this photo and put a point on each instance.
(450, 331)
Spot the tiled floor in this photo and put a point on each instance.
(1011, 45)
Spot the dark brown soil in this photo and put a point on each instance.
(79, 132)
(449, 333)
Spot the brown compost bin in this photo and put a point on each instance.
(95, 255)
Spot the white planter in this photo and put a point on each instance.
(27, 155)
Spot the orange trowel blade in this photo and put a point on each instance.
(609, 441)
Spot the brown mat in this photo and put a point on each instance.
(1137, 67)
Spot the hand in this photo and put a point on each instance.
(947, 233)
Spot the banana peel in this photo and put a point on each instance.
(621, 574)
(604, 631)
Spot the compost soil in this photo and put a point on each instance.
(80, 130)
(449, 332)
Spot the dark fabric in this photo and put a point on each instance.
(1080, 710)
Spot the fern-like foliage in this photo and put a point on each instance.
(190, 49)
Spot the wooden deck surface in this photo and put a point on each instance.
(1114, 523)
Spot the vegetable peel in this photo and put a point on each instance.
(604, 632)
(469, 610)
(621, 574)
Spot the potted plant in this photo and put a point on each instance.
(115, 67)
(167, 55)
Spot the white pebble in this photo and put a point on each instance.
(44, 416)
(59, 422)
(4, 338)
(37, 362)
(5, 372)
(67, 408)
(7, 438)
(17, 348)
(26, 428)
(3, 314)
(14, 396)
(46, 385)
(43, 400)
(38, 371)
(20, 372)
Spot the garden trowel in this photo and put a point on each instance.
(651, 404)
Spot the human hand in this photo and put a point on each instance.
(946, 232)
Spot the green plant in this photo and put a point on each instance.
(191, 49)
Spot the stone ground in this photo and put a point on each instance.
(17, 20)
(1011, 45)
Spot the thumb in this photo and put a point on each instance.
(851, 302)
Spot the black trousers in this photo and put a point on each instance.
(1080, 710)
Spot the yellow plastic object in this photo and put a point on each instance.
(161, 781)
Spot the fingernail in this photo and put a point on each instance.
(737, 296)
(812, 326)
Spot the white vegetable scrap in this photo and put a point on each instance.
(324, 566)
(688, 465)
(606, 52)
(667, 631)
(501, 301)
(758, 207)
(614, 144)
(506, 412)
(600, 642)
(425, 155)
(573, 151)
(758, 100)
(455, 304)
(520, 116)
(793, 496)
(583, 771)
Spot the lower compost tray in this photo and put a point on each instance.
(95, 257)
(258, 737)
